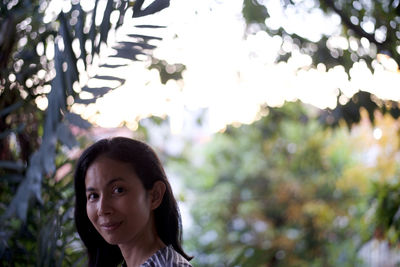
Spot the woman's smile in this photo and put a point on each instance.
(117, 204)
(125, 208)
(110, 226)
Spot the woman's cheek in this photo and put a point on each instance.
(90, 211)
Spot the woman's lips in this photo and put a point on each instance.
(110, 226)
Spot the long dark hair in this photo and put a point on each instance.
(149, 170)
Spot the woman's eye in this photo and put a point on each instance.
(118, 190)
(92, 196)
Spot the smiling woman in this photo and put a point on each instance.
(125, 211)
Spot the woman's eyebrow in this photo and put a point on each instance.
(91, 189)
(115, 180)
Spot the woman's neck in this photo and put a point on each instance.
(137, 252)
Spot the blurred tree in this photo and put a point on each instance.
(40, 79)
(369, 28)
(268, 194)
(368, 31)
(167, 71)
(384, 171)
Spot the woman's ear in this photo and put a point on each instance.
(157, 194)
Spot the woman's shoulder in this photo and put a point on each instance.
(166, 257)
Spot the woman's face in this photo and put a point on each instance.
(117, 203)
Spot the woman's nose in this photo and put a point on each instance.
(104, 206)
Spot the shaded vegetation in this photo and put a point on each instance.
(284, 191)
(41, 77)
(366, 29)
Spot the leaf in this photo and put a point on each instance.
(77, 120)
(19, 204)
(65, 136)
(72, 71)
(113, 66)
(154, 7)
(42, 161)
(57, 104)
(47, 241)
(11, 108)
(144, 37)
(68, 214)
(122, 10)
(47, 152)
(109, 78)
(137, 6)
(105, 24)
(253, 12)
(30, 185)
(130, 50)
(150, 26)
(56, 96)
(77, 100)
(97, 92)
(19, 129)
(128, 53)
(132, 45)
(92, 32)
(7, 39)
(12, 178)
(12, 165)
(79, 33)
(4, 236)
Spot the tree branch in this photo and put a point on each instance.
(357, 29)
(385, 46)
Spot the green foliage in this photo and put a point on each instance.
(387, 199)
(38, 62)
(381, 38)
(367, 28)
(268, 194)
(253, 12)
(48, 236)
(350, 112)
(168, 71)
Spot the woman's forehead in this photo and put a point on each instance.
(105, 169)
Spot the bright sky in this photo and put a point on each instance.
(227, 73)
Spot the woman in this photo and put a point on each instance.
(125, 211)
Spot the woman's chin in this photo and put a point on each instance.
(111, 240)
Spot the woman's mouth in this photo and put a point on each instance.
(110, 226)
